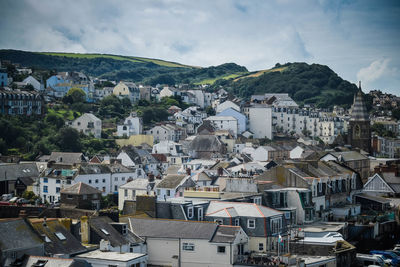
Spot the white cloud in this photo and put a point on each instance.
(374, 71)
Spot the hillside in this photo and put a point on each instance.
(306, 84)
(114, 67)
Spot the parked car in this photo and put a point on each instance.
(13, 200)
(395, 260)
(23, 201)
(368, 260)
(6, 197)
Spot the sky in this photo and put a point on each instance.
(359, 40)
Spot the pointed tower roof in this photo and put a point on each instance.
(359, 109)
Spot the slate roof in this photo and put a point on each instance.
(139, 183)
(176, 229)
(349, 155)
(70, 245)
(86, 168)
(13, 171)
(171, 181)
(115, 238)
(209, 143)
(16, 234)
(225, 234)
(80, 189)
(232, 209)
(68, 158)
(392, 180)
(50, 262)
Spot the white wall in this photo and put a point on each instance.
(260, 122)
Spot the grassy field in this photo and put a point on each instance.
(260, 72)
(66, 114)
(227, 77)
(132, 59)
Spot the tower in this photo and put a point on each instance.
(359, 130)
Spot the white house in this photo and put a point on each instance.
(168, 91)
(260, 121)
(35, 83)
(107, 178)
(261, 153)
(87, 124)
(166, 132)
(102, 258)
(196, 243)
(172, 186)
(132, 126)
(228, 123)
(132, 189)
(168, 147)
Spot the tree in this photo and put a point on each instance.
(55, 120)
(68, 140)
(77, 95)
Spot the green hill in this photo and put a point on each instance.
(306, 84)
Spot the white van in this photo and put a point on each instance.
(367, 260)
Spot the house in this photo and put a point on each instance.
(241, 118)
(206, 146)
(295, 203)
(226, 105)
(128, 90)
(145, 92)
(107, 177)
(225, 123)
(165, 132)
(262, 225)
(58, 240)
(17, 239)
(120, 238)
(169, 91)
(81, 196)
(87, 124)
(18, 102)
(104, 257)
(352, 159)
(23, 184)
(10, 173)
(3, 78)
(189, 243)
(132, 126)
(66, 158)
(173, 109)
(383, 184)
(35, 83)
(173, 185)
(132, 189)
(256, 115)
(139, 158)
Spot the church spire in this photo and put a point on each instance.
(359, 109)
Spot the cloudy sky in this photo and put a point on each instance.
(360, 40)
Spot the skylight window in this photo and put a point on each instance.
(60, 236)
(105, 231)
(46, 239)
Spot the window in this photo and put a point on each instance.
(116, 179)
(105, 231)
(190, 212)
(158, 192)
(168, 192)
(45, 189)
(276, 225)
(287, 215)
(260, 246)
(237, 222)
(320, 186)
(115, 187)
(251, 223)
(45, 180)
(188, 246)
(84, 197)
(58, 189)
(60, 236)
(96, 181)
(200, 214)
(70, 197)
(219, 221)
(125, 192)
(257, 200)
(104, 180)
(104, 189)
(90, 181)
(58, 181)
(221, 249)
(123, 178)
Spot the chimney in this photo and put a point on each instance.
(220, 171)
(66, 222)
(188, 171)
(44, 221)
(151, 177)
(85, 230)
(105, 245)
